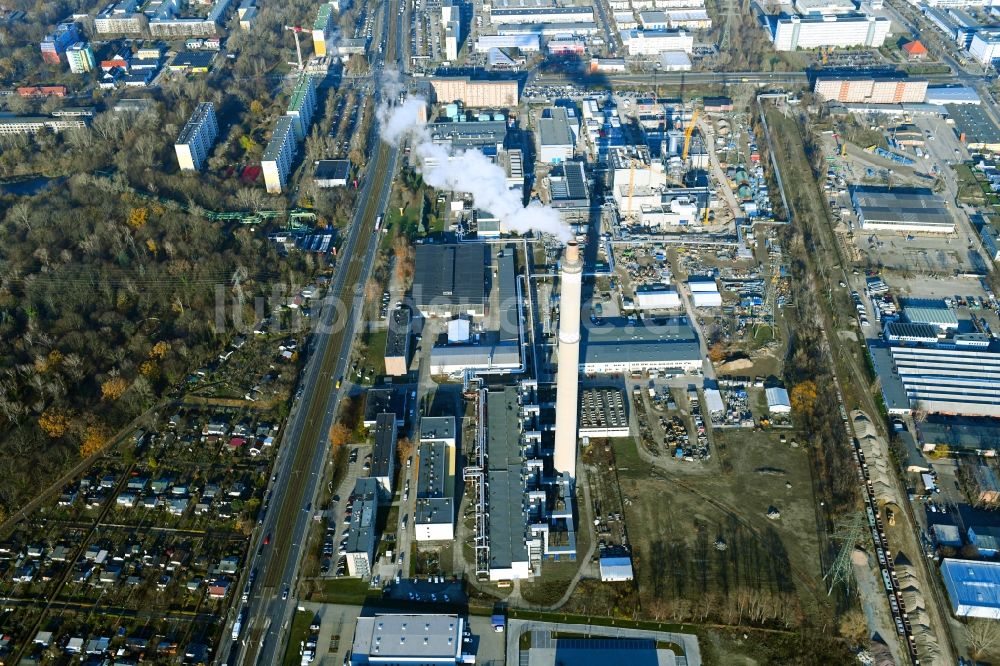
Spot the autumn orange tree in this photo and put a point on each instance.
(803, 396)
(339, 435)
(113, 388)
(95, 438)
(53, 423)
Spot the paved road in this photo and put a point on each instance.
(299, 468)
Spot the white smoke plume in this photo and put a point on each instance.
(466, 171)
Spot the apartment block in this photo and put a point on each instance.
(811, 32)
(197, 138)
(278, 156)
(302, 105)
(80, 58)
(321, 29)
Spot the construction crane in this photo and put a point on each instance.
(687, 135)
(298, 48)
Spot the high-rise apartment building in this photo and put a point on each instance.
(278, 156)
(197, 138)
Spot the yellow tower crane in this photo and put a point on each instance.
(687, 135)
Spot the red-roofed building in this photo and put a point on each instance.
(236, 442)
(915, 50)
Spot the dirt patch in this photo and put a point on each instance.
(704, 546)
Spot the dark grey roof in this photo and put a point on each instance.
(914, 205)
(617, 341)
(432, 469)
(437, 427)
(384, 450)
(509, 304)
(465, 135)
(451, 274)
(193, 59)
(893, 392)
(380, 400)
(911, 330)
(332, 170)
(568, 185)
(506, 491)
(971, 120)
(361, 533)
(398, 337)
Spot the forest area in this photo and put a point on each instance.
(114, 285)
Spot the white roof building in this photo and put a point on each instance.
(713, 401)
(777, 400)
(615, 569)
(657, 297)
(419, 639)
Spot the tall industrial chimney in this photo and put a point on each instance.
(568, 374)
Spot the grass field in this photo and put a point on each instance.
(296, 635)
(675, 519)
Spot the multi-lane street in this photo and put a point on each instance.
(277, 546)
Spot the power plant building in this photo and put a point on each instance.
(557, 132)
(507, 524)
(790, 33)
(197, 138)
(872, 90)
(475, 93)
(434, 513)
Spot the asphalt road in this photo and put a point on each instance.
(299, 468)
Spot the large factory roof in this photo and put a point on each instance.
(450, 274)
(506, 490)
(651, 341)
(900, 206)
(436, 468)
(509, 305)
(972, 121)
(469, 134)
(973, 587)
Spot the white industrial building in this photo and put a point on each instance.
(197, 138)
(790, 33)
(425, 639)
(657, 297)
(941, 95)
(949, 380)
(528, 43)
(434, 512)
(777, 400)
(973, 587)
(277, 160)
(705, 293)
(528, 15)
(985, 46)
(654, 42)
